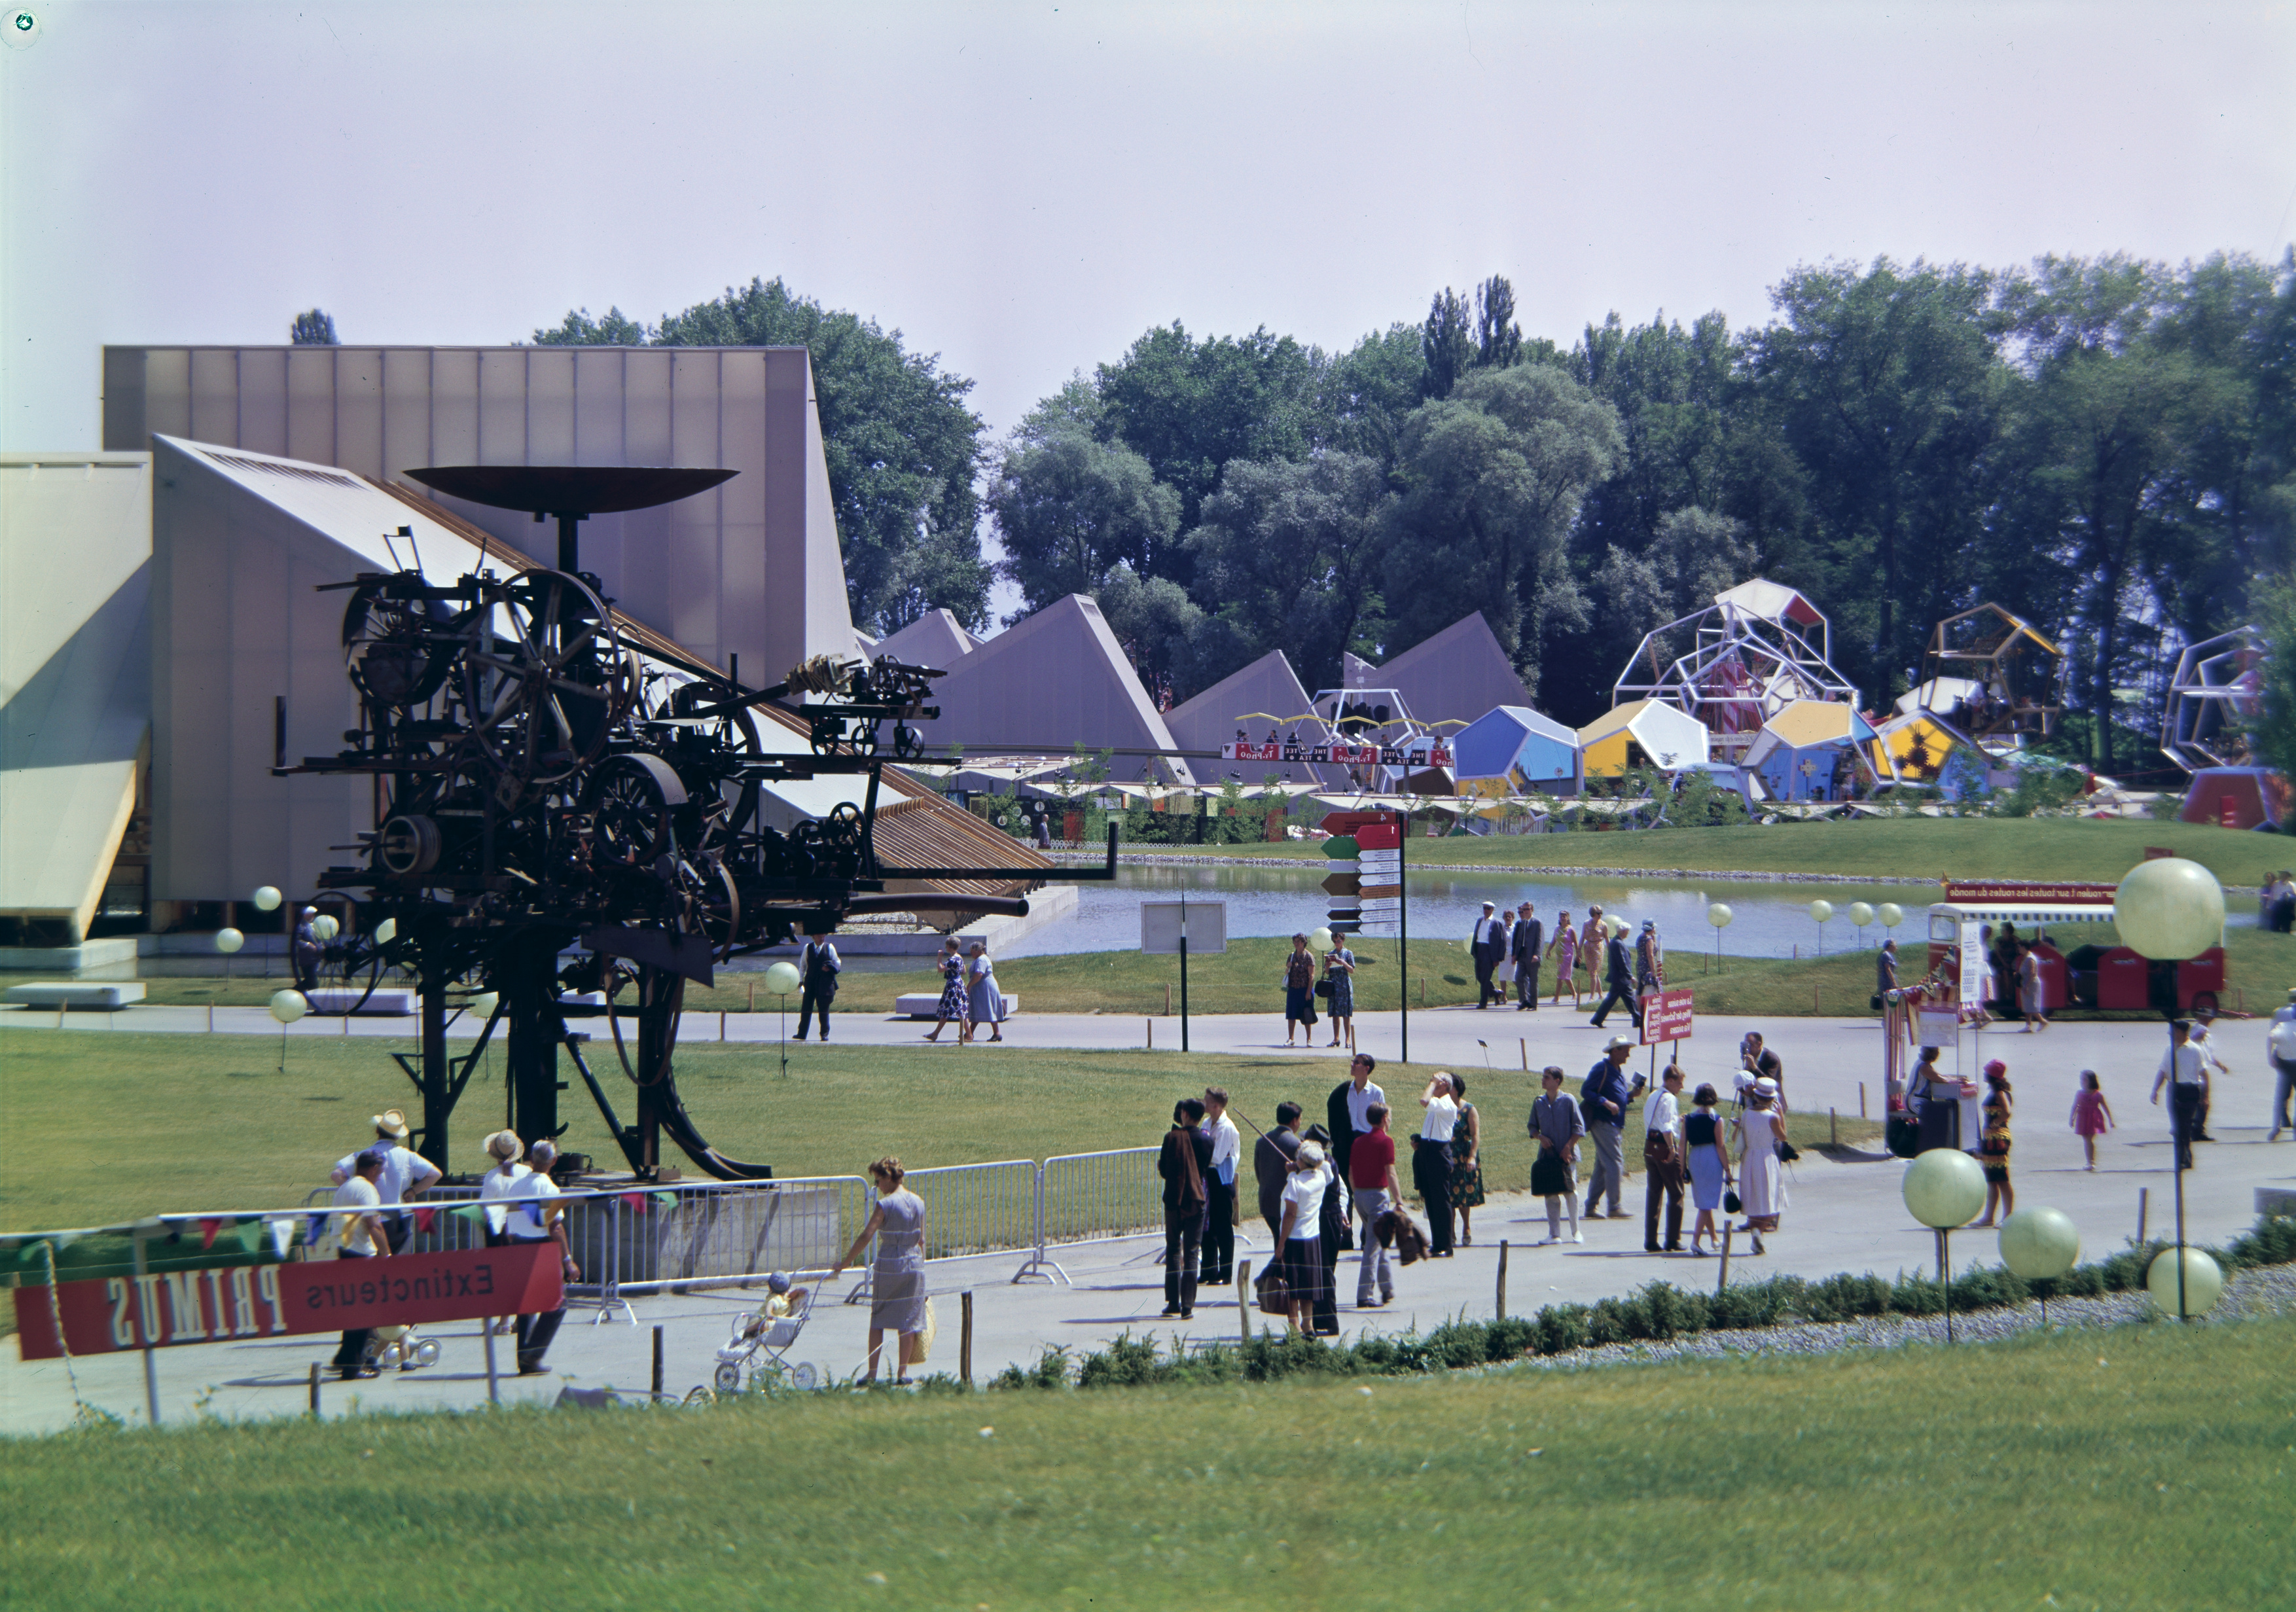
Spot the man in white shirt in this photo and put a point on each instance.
(539, 1221)
(1663, 1163)
(2186, 1073)
(1346, 1111)
(363, 1238)
(2217, 1066)
(2281, 1040)
(1430, 1162)
(1488, 944)
(405, 1173)
(1219, 1191)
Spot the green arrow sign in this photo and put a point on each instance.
(1340, 845)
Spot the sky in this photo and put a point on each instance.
(1023, 189)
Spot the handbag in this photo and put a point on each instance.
(1323, 987)
(925, 1338)
(1732, 1203)
(1274, 1294)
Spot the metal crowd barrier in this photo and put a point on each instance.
(1084, 1197)
(971, 1209)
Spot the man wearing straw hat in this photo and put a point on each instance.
(405, 1173)
(363, 1238)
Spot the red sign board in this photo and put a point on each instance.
(216, 1304)
(2029, 894)
(1385, 835)
(1665, 1016)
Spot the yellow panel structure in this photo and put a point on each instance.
(1916, 747)
(1642, 734)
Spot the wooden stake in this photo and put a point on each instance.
(1502, 1265)
(1167, 999)
(1243, 1296)
(1152, 1033)
(1834, 1123)
(2143, 1193)
(1861, 1100)
(314, 1390)
(965, 1343)
(1723, 1282)
(657, 1362)
(1524, 1042)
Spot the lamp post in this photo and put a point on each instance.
(1819, 912)
(1945, 1187)
(2165, 910)
(1719, 915)
(1861, 914)
(2040, 1245)
(781, 979)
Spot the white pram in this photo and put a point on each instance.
(389, 1347)
(762, 1342)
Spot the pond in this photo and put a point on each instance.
(1769, 920)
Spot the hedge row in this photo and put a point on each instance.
(1656, 1313)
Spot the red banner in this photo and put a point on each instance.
(217, 1304)
(1665, 1016)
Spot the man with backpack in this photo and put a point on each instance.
(1604, 1098)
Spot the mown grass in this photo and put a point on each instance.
(104, 1126)
(2141, 1467)
(1914, 849)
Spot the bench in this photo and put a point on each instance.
(926, 1004)
(77, 993)
(387, 1000)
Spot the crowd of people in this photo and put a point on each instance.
(1512, 949)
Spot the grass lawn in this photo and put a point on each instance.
(1915, 849)
(2146, 1467)
(104, 1126)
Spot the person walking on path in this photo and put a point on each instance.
(363, 1237)
(1710, 1164)
(988, 1002)
(818, 966)
(1992, 1147)
(1332, 1220)
(1524, 943)
(405, 1173)
(304, 951)
(1885, 969)
(1299, 992)
(1271, 1163)
(1649, 961)
(2205, 1045)
(2280, 1041)
(1340, 973)
(1430, 1162)
(1371, 1175)
(539, 1221)
(2186, 1075)
(1604, 1096)
(1556, 1125)
(1592, 935)
(1662, 1163)
(1564, 950)
(1466, 1163)
(1620, 975)
(1302, 1242)
(955, 999)
(896, 1276)
(1761, 1181)
(1185, 1162)
(1220, 1190)
(2092, 1115)
(1489, 944)
(1346, 1111)
(2028, 988)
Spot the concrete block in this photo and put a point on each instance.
(76, 994)
(926, 1004)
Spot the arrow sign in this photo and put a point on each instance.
(1379, 837)
(1382, 892)
(1380, 859)
(1340, 845)
(1381, 904)
(1341, 884)
(1342, 864)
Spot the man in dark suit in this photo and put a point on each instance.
(1529, 939)
(1271, 1164)
(1619, 975)
(1489, 944)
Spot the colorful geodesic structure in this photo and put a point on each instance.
(1817, 750)
(1643, 733)
(1992, 677)
(1758, 648)
(1514, 750)
(2216, 692)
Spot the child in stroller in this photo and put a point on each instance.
(770, 1332)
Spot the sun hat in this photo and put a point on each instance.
(391, 1122)
(1766, 1086)
(778, 1282)
(1615, 1043)
(1996, 1067)
(505, 1145)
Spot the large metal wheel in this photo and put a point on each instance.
(353, 964)
(548, 692)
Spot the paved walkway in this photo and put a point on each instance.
(1843, 1214)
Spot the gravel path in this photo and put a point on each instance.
(2267, 1290)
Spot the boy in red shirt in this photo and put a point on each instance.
(1371, 1176)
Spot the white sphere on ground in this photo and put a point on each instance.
(1820, 911)
(782, 977)
(2203, 1282)
(1891, 914)
(1321, 940)
(1719, 915)
(324, 928)
(1860, 913)
(2039, 1243)
(288, 1006)
(2170, 908)
(268, 898)
(485, 1003)
(1944, 1188)
(228, 941)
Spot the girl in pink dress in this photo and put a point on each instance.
(1564, 950)
(2092, 1115)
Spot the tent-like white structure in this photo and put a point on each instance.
(1513, 749)
(1643, 733)
(1811, 751)
(1451, 679)
(934, 639)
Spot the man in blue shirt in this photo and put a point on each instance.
(1604, 1099)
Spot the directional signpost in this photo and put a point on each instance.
(1379, 872)
(1666, 1017)
(1341, 884)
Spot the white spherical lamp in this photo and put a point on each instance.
(485, 1003)
(288, 1006)
(1820, 911)
(2203, 1282)
(782, 977)
(2038, 1244)
(228, 941)
(324, 928)
(1891, 914)
(1860, 913)
(268, 898)
(1719, 915)
(1944, 1188)
(1321, 940)
(2170, 908)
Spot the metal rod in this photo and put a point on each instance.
(314, 1390)
(1403, 931)
(1502, 1268)
(494, 1380)
(1243, 1296)
(657, 1362)
(2144, 1196)
(964, 1343)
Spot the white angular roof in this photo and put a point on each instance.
(934, 639)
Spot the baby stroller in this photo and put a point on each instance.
(389, 1347)
(761, 1341)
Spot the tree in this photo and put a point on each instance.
(1446, 345)
(1493, 476)
(1499, 339)
(314, 328)
(1070, 508)
(2275, 732)
(1364, 394)
(1696, 555)
(903, 452)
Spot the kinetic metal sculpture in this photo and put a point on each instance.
(1756, 650)
(2216, 693)
(541, 780)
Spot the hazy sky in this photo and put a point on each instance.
(1024, 188)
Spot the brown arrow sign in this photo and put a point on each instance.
(1341, 884)
(1370, 891)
